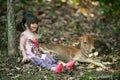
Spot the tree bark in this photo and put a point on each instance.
(11, 28)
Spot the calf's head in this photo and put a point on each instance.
(87, 44)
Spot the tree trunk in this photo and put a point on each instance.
(11, 28)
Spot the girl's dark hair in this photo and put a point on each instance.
(28, 19)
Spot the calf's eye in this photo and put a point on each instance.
(85, 42)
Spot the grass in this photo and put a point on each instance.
(10, 69)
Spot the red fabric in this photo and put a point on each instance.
(70, 64)
(59, 68)
(35, 42)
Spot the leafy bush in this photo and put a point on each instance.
(110, 8)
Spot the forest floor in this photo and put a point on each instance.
(60, 23)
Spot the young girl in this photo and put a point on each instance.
(32, 51)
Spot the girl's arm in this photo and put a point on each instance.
(22, 47)
(44, 51)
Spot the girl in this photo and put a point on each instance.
(32, 51)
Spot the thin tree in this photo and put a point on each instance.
(11, 28)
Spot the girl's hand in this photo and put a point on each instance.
(47, 52)
(44, 51)
(25, 59)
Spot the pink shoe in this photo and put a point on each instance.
(59, 68)
(70, 65)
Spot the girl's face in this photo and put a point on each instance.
(33, 27)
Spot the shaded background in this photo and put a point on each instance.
(60, 22)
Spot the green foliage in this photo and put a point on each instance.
(110, 8)
(40, 0)
(71, 24)
(74, 3)
(25, 1)
(116, 76)
(116, 29)
(16, 8)
(2, 2)
(58, 1)
(3, 40)
(87, 76)
(42, 32)
(44, 4)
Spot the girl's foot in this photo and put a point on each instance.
(58, 68)
(70, 65)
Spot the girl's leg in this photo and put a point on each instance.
(49, 59)
(68, 65)
(40, 62)
(52, 59)
(58, 68)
